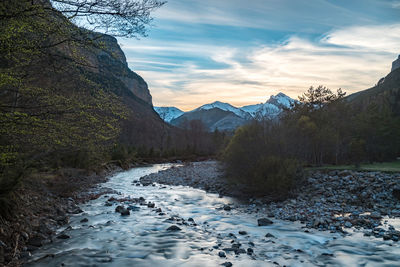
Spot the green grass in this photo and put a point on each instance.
(393, 166)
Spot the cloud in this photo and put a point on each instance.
(396, 4)
(352, 58)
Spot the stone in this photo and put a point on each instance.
(242, 233)
(222, 254)
(173, 228)
(119, 209)
(37, 241)
(348, 224)
(63, 236)
(240, 251)
(190, 220)
(268, 235)
(151, 205)
(250, 251)
(84, 220)
(227, 264)
(227, 207)
(376, 215)
(122, 210)
(125, 212)
(264, 222)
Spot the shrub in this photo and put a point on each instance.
(276, 175)
(10, 177)
(254, 158)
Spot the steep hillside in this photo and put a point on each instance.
(385, 94)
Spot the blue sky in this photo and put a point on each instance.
(241, 52)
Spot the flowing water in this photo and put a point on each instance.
(141, 239)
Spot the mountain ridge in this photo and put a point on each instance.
(227, 116)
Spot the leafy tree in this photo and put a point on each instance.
(53, 108)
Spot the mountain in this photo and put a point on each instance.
(213, 118)
(385, 94)
(271, 108)
(224, 116)
(168, 113)
(227, 107)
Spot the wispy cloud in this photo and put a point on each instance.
(352, 58)
(396, 4)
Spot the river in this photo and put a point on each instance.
(141, 239)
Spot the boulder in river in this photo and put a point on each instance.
(63, 236)
(227, 264)
(227, 207)
(268, 235)
(173, 228)
(264, 222)
(222, 254)
(122, 210)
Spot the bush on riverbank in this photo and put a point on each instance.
(253, 158)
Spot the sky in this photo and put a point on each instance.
(241, 52)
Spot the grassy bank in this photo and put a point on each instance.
(393, 166)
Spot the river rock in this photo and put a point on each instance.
(222, 254)
(240, 251)
(242, 233)
(173, 228)
(63, 236)
(264, 222)
(268, 235)
(119, 209)
(125, 212)
(84, 220)
(227, 264)
(37, 240)
(227, 207)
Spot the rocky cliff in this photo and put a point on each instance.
(396, 64)
(105, 57)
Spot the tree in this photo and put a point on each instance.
(53, 106)
(124, 18)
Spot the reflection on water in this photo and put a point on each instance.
(141, 239)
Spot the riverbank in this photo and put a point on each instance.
(43, 203)
(329, 200)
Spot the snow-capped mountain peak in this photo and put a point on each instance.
(168, 113)
(225, 106)
(281, 100)
(270, 109)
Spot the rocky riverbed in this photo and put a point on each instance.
(45, 202)
(175, 225)
(330, 201)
